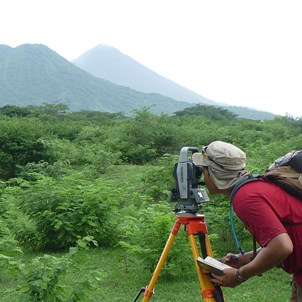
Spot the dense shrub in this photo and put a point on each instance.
(23, 140)
(66, 210)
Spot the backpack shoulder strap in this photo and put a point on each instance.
(243, 181)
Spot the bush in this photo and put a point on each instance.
(22, 141)
(66, 210)
(42, 278)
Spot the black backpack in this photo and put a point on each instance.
(286, 172)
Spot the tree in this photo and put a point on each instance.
(22, 140)
(213, 112)
(12, 110)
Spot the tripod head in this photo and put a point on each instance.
(187, 193)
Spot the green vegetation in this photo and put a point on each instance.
(84, 215)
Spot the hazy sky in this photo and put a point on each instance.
(243, 53)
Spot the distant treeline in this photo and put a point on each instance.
(50, 133)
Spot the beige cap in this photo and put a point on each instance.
(225, 161)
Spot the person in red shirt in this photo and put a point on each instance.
(271, 215)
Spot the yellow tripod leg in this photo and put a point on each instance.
(193, 225)
(207, 287)
(149, 289)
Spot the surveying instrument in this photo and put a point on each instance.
(189, 198)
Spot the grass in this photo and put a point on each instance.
(123, 277)
(123, 283)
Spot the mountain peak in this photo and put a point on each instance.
(107, 62)
(100, 50)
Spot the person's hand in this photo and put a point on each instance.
(229, 278)
(231, 260)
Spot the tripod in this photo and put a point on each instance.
(194, 226)
(189, 197)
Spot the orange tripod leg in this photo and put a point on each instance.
(149, 290)
(207, 287)
(194, 224)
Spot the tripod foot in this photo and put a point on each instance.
(146, 292)
(142, 290)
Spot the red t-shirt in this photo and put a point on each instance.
(267, 211)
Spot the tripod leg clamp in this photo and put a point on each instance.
(148, 293)
(207, 293)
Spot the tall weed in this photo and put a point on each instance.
(146, 234)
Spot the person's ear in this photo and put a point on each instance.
(205, 170)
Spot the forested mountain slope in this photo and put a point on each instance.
(33, 74)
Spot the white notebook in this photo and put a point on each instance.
(212, 265)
